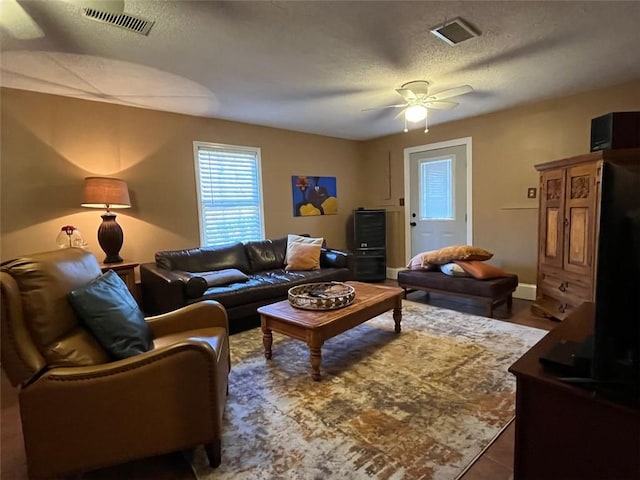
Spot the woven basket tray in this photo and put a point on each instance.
(322, 296)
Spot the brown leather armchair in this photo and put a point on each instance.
(80, 410)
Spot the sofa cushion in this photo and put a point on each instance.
(205, 259)
(265, 255)
(193, 283)
(303, 256)
(269, 286)
(224, 277)
(481, 270)
(417, 263)
(109, 311)
(444, 255)
(293, 238)
(453, 270)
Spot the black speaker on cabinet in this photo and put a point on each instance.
(370, 244)
(615, 130)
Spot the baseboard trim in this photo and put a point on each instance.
(392, 273)
(525, 291)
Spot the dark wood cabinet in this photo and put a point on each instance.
(564, 431)
(568, 229)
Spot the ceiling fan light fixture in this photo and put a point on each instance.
(415, 113)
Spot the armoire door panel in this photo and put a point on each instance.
(552, 248)
(552, 219)
(578, 234)
(580, 214)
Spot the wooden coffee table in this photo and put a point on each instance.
(316, 326)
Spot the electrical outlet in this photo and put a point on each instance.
(531, 192)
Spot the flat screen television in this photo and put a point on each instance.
(615, 362)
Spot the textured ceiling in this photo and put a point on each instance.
(313, 66)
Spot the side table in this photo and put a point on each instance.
(126, 271)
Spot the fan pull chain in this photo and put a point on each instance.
(426, 127)
(405, 124)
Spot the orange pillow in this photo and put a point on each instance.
(303, 256)
(481, 270)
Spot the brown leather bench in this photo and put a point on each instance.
(492, 292)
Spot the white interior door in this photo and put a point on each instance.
(438, 198)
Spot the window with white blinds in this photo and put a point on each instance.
(436, 189)
(229, 193)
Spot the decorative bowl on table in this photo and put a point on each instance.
(322, 296)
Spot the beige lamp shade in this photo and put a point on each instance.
(105, 192)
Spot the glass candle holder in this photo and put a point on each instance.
(69, 236)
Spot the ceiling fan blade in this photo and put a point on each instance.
(441, 105)
(400, 114)
(380, 108)
(452, 92)
(406, 94)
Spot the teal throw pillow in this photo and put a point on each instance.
(111, 313)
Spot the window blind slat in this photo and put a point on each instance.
(436, 201)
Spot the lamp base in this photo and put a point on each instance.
(110, 238)
(113, 259)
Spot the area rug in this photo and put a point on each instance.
(422, 404)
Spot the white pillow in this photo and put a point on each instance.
(453, 270)
(292, 238)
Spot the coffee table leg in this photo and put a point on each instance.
(397, 317)
(267, 341)
(316, 358)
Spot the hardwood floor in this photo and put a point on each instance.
(496, 463)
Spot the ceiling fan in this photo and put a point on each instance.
(418, 100)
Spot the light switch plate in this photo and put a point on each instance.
(531, 192)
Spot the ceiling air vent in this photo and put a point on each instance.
(122, 20)
(454, 31)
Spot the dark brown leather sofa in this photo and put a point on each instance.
(176, 277)
(82, 410)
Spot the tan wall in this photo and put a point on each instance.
(50, 143)
(506, 146)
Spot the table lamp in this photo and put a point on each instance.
(108, 193)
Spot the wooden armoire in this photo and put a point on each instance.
(568, 229)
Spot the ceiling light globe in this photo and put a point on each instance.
(415, 113)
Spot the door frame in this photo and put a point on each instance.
(466, 141)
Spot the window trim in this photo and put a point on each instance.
(197, 145)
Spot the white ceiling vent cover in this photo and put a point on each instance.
(122, 20)
(454, 31)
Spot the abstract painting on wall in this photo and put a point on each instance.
(314, 195)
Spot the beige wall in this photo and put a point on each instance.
(506, 146)
(50, 143)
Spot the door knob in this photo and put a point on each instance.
(413, 224)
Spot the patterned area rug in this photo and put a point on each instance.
(419, 405)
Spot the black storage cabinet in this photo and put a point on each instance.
(370, 244)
